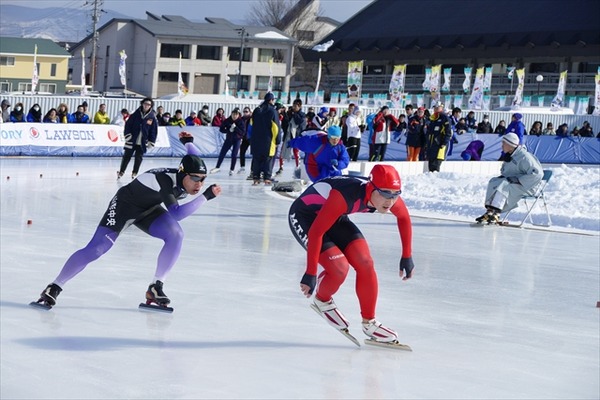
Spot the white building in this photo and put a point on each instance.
(153, 47)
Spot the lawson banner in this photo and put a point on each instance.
(79, 140)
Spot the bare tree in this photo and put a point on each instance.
(268, 12)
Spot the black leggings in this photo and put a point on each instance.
(139, 156)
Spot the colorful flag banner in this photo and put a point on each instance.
(447, 75)
(448, 101)
(582, 105)
(434, 83)
(227, 77)
(316, 95)
(458, 100)
(518, 99)
(572, 100)
(34, 78)
(426, 82)
(476, 99)
(420, 102)
(540, 100)
(123, 68)
(501, 100)
(182, 90)
(597, 95)
(527, 101)
(83, 90)
(467, 82)
(487, 79)
(510, 71)
(270, 85)
(354, 79)
(559, 99)
(487, 100)
(397, 84)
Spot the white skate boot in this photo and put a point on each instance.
(329, 311)
(378, 332)
(331, 314)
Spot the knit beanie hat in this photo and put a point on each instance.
(511, 139)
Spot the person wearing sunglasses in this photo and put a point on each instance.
(140, 203)
(319, 221)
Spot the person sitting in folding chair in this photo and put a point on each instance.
(521, 176)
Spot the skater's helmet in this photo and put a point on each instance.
(334, 132)
(192, 165)
(385, 179)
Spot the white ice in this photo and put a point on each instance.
(490, 312)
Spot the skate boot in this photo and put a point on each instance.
(493, 218)
(155, 294)
(133, 175)
(374, 330)
(50, 294)
(119, 175)
(329, 311)
(483, 219)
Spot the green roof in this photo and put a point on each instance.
(13, 45)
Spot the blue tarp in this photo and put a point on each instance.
(548, 149)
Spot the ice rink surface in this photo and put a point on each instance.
(491, 313)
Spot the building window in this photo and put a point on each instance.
(172, 77)
(262, 83)
(5, 87)
(24, 87)
(52, 69)
(173, 50)
(234, 80)
(7, 61)
(306, 35)
(234, 54)
(208, 53)
(47, 87)
(265, 55)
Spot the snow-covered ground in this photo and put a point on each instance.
(490, 312)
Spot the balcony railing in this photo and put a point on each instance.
(580, 84)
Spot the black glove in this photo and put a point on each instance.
(407, 265)
(186, 139)
(310, 281)
(208, 193)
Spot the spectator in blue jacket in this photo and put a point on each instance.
(79, 116)
(17, 114)
(35, 113)
(516, 127)
(325, 155)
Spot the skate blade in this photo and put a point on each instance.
(42, 306)
(155, 307)
(391, 345)
(344, 331)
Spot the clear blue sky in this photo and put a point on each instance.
(339, 10)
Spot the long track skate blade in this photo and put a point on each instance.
(390, 345)
(153, 307)
(42, 306)
(344, 332)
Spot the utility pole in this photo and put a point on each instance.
(243, 35)
(95, 19)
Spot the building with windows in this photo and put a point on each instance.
(16, 65)
(543, 37)
(208, 55)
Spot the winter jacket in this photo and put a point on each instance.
(234, 130)
(415, 135)
(321, 158)
(439, 133)
(382, 125)
(141, 130)
(265, 131)
(517, 128)
(521, 174)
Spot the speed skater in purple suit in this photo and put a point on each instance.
(319, 221)
(140, 203)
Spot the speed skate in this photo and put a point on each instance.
(150, 306)
(390, 345)
(344, 332)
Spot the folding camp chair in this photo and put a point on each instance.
(535, 198)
